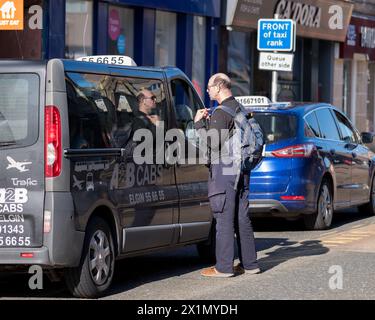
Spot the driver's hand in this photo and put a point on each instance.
(154, 119)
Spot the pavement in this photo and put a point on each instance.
(331, 264)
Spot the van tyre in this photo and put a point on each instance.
(95, 273)
(369, 208)
(322, 218)
(206, 249)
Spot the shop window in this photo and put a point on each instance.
(78, 28)
(26, 43)
(239, 62)
(165, 39)
(120, 31)
(289, 83)
(199, 54)
(371, 95)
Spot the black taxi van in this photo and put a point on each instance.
(73, 199)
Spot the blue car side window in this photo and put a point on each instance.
(313, 125)
(327, 125)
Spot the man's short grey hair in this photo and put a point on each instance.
(222, 79)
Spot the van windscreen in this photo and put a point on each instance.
(277, 126)
(19, 101)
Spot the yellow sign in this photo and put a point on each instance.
(11, 14)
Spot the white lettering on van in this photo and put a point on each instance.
(142, 175)
(11, 208)
(13, 195)
(146, 197)
(11, 218)
(24, 183)
(91, 166)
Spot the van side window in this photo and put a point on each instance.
(140, 104)
(92, 116)
(186, 103)
(104, 111)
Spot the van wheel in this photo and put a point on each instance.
(369, 208)
(322, 218)
(95, 273)
(206, 249)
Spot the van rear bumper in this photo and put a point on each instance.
(12, 256)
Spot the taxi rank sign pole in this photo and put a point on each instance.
(276, 35)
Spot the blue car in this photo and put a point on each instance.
(314, 162)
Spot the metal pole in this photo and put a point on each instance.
(274, 78)
(274, 86)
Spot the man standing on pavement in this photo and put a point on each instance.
(229, 203)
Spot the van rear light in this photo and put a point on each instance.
(27, 255)
(52, 142)
(292, 198)
(47, 221)
(297, 151)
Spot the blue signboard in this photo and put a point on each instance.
(121, 44)
(276, 35)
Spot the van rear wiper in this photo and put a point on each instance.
(7, 143)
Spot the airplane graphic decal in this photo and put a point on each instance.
(78, 183)
(20, 166)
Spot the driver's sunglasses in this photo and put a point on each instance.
(152, 98)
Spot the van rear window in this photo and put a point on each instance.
(277, 126)
(19, 101)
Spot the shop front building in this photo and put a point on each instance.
(321, 26)
(155, 33)
(355, 85)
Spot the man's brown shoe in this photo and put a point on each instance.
(238, 269)
(212, 272)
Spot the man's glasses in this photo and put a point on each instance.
(152, 98)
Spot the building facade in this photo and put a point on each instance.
(333, 58)
(354, 86)
(165, 32)
(318, 30)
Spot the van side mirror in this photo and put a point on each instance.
(367, 137)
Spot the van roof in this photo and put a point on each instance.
(72, 65)
(12, 65)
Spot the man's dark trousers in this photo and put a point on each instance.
(230, 209)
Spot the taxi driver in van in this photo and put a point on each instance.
(146, 106)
